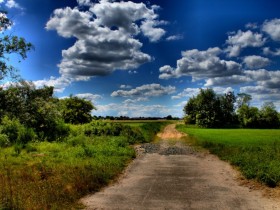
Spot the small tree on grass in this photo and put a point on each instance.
(76, 110)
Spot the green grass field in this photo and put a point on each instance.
(255, 151)
(54, 175)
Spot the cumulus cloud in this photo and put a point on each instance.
(265, 78)
(200, 65)
(229, 80)
(125, 86)
(262, 94)
(223, 90)
(89, 96)
(136, 110)
(149, 90)
(251, 26)
(239, 40)
(149, 29)
(268, 51)
(186, 93)
(11, 4)
(105, 36)
(174, 37)
(272, 28)
(255, 62)
(59, 83)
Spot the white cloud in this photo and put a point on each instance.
(272, 28)
(133, 101)
(174, 37)
(89, 96)
(240, 40)
(105, 36)
(149, 90)
(137, 110)
(59, 83)
(268, 51)
(200, 65)
(149, 30)
(251, 26)
(12, 4)
(261, 94)
(188, 92)
(265, 78)
(125, 86)
(256, 62)
(223, 90)
(230, 80)
(84, 2)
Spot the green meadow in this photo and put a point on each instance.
(55, 175)
(256, 152)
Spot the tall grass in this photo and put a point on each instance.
(54, 175)
(255, 151)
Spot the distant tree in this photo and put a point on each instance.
(76, 110)
(208, 109)
(169, 117)
(10, 44)
(243, 99)
(248, 116)
(269, 116)
(190, 111)
(228, 115)
(34, 108)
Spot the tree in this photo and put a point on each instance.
(190, 111)
(243, 99)
(228, 115)
(208, 109)
(248, 116)
(34, 108)
(269, 116)
(10, 45)
(76, 110)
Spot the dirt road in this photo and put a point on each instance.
(171, 175)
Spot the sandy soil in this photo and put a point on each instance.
(171, 175)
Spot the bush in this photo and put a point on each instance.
(11, 128)
(4, 140)
(16, 132)
(26, 135)
(132, 135)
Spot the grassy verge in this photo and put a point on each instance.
(54, 175)
(255, 151)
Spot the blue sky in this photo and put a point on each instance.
(147, 58)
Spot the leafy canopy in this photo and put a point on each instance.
(10, 44)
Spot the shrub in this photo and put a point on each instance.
(11, 128)
(4, 140)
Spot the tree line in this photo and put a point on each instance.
(211, 110)
(27, 113)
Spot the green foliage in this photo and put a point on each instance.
(252, 117)
(10, 45)
(255, 151)
(4, 140)
(210, 110)
(34, 108)
(16, 132)
(76, 110)
(54, 175)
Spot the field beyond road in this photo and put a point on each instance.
(168, 174)
(256, 152)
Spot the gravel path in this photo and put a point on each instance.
(171, 175)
